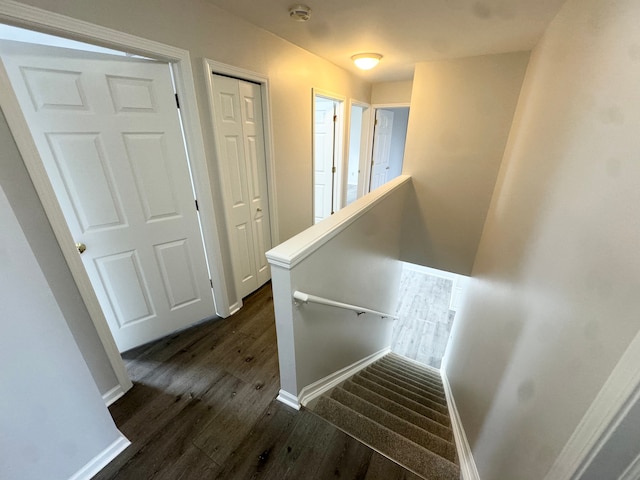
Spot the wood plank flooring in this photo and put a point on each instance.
(424, 323)
(203, 407)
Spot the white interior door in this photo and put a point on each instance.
(239, 133)
(108, 133)
(323, 157)
(383, 131)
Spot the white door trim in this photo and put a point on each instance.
(33, 18)
(365, 146)
(243, 74)
(339, 139)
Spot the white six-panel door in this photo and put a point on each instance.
(108, 133)
(239, 133)
(381, 148)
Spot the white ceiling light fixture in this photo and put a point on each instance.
(300, 13)
(366, 61)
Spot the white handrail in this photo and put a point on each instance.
(306, 298)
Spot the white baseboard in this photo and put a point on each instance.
(112, 395)
(288, 399)
(316, 389)
(468, 467)
(102, 459)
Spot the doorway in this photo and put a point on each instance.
(239, 129)
(179, 60)
(108, 133)
(358, 152)
(389, 137)
(328, 125)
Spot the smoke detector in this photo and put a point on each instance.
(300, 13)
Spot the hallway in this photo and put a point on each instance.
(203, 406)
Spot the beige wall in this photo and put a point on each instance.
(461, 113)
(554, 299)
(391, 92)
(208, 32)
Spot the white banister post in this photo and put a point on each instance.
(283, 306)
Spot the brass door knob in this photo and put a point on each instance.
(81, 247)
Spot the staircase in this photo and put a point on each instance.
(399, 409)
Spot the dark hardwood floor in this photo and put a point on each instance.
(203, 407)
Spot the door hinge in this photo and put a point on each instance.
(197, 207)
(333, 169)
(211, 283)
(335, 118)
(177, 101)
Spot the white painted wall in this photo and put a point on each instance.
(391, 92)
(461, 113)
(354, 266)
(209, 32)
(22, 197)
(53, 420)
(554, 299)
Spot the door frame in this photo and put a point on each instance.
(263, 80)
(338, 140)
(365, 148)
(36, 19)
(372, 128)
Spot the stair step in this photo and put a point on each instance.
(416, 434)
(407, 453)
(413, 368)
(438, 407)
(400, 399)
(399, 411)
(408, 384)
(399, 370)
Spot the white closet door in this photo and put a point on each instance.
(253, 133)
(108, 132)
(239, 133)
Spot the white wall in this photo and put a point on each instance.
(53, 420)
(354, 266)
(22, 197)
(391, 92)
(461, 113)
(209, 32)
(554, 299)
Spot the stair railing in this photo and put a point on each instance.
(308, 298)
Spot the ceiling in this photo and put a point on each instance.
(404, 31)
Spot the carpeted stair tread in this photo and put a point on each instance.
(399, 411)
(424, 379)
(423, 373)
(407, 453)
(438, 407)
(414, 366)
(435, 385)
(412, 432)
(410, 365)
(418, 407)
(408, 384)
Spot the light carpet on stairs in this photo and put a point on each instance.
(399, 409)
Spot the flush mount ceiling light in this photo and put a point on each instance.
(366, 61)
(300, 13)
